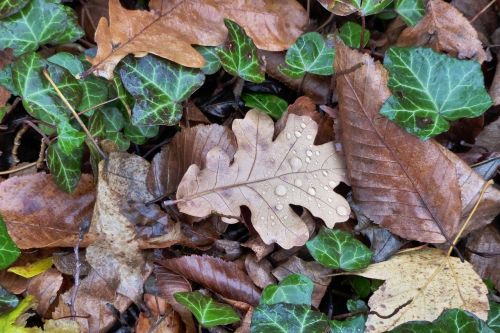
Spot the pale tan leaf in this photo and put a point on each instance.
(445, 29)
(432, 281)
(339, 7)
(267, 176)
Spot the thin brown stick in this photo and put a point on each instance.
(328, 20)
(37, 129)
(17, 144)
(482, 11)
(355, 313)
(97, 105)
(24, 167)
(41, 155)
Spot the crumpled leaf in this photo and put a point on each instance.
(49, 220)
(430, 89)
(430, 280)
(8, 250)
(267, 176)
(347, 7)
(189, 146)
(350, 33)
(65, 167)
(223, 277)
(294, 289)
(40, 22)
(10, 7)
(238, 55)
(446, 30)
(45, 288)
(207, 312)
(158, 86)
(412, 11)
(339, 249)
(481, 248)
(32, 269)
(270, 104)
(309, 54)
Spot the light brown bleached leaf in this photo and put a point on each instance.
(45, 288)
(432, 281)
(267, 176)
(482, 250)
(445, 29)
(338, 7)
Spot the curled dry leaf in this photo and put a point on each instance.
(267, 176)
(38, 214)
(259, 271)
(444, 29)
(161, 318)
(220, 276)
(482, 251)
(44, 288)
(489, 138)
(189, 146)
(430, 280)
(257, 245)
(486, 23)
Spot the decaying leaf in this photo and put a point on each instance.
(268, 176)
(45, 288)
(444, 29)
(489, 138)
(431, 280)
(482, 251)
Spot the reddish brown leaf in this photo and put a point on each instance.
(245, 323)
(257, 245)
(259, 271)
(482, 248)
(45, 288)
(161, 319)
(495, 88)
(220, 276)
(490, 137)
(486, 23)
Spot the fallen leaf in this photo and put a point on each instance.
(267, 176)
(220, 276)
(245, 323)
(444, 29)
(486, 23)
(489, 138)
(12, 282)
(362, 7)
(32, 269)
(38, 214)
(45, 288)
(257, 245)
(259, 271)
(430, 280)
(482, 249)
(161, 318)
(495, 88)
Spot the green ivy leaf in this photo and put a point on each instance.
(370, 7)
(139, 134)
(290, 318)
(269, 104)
(6, 79)
(65, 168)
(309, 54)
(114, 122)
(339, 249)
(8, 249)
(69, 138)
(450, 321)
(212, 62)
(10, 7)
(39, 98)
(238, 56)
(294, 289)
(411, 11)
(350, 33)
(431, 89)
(38, 23)
(351, 325)
(360, 285)
(494, 317)
(158, 86)
(208, 312)
(8, 301)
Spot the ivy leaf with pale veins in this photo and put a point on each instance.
(238, 55)
(39, 97)
(10, 7)
(412, 11)
(294, 289)
(212, 62)
(65, 168)
(309, 54)
(113, 123)
(69, 138)
(339, 249)
(139, 134)
(430, 89)
(158, 86)
(8, 301)
(269, 104)
(8, 250)
(208, 312)
(290, 318)
(350, 33)
(267, 176)
(494, 316)
(362, 7)
(40, 22)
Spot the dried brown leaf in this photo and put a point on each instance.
(495, 87)
(220, 276)
(482, 249)
(161, 318)
(486, 23)
(259, 271)
(489, 138)
(267, 176)
(445, 29)
(257, 245)
(338, 7)
(45, 288)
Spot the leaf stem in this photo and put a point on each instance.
(482, 11)
(8, 172)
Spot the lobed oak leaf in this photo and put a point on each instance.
(267, 176)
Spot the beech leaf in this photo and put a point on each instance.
(431, 89)
(9, 250)
(267, 176)
(309, 54)
(430, 281)
(9, 7)
(362, 7)
(350, 33)
(39, 22)
(412, 11)
(238, 55)
(158, 86)
(269, 104)
(294, 289)
(339, 249)
(65, 167)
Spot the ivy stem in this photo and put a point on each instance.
(362, 37)
(77, 117)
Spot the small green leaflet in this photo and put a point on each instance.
(309, 54)
(430, 89)
(113, 122)
(8, 249)
(212, 62)
(450, 321)
(339, 249)
(494, 317)
(8, 301)
(38, 23)
(139, 134)
(6, 79)
(360, 285)
(294, 289)
(158, 86)
(269, 104)
(238, 56)
(69, 138)
(208, 312)
(10, 7)
(350, 325)
(65, 168)
(289, 318)
(350, 33)
(411, 11)
(39, 98)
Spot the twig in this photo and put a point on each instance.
(328, 20)
(482, 11)
(41, 155)
(17, 144)
(31, 124)
(355, 313)
(98, 105)
(24, 167)
(83, 229)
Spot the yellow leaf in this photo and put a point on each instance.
(33, 269)
(8, 320)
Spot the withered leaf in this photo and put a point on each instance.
(267, 176)
(45, 288)
(489, 138)
(445, 29)
(482, 251)
(220, 276)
